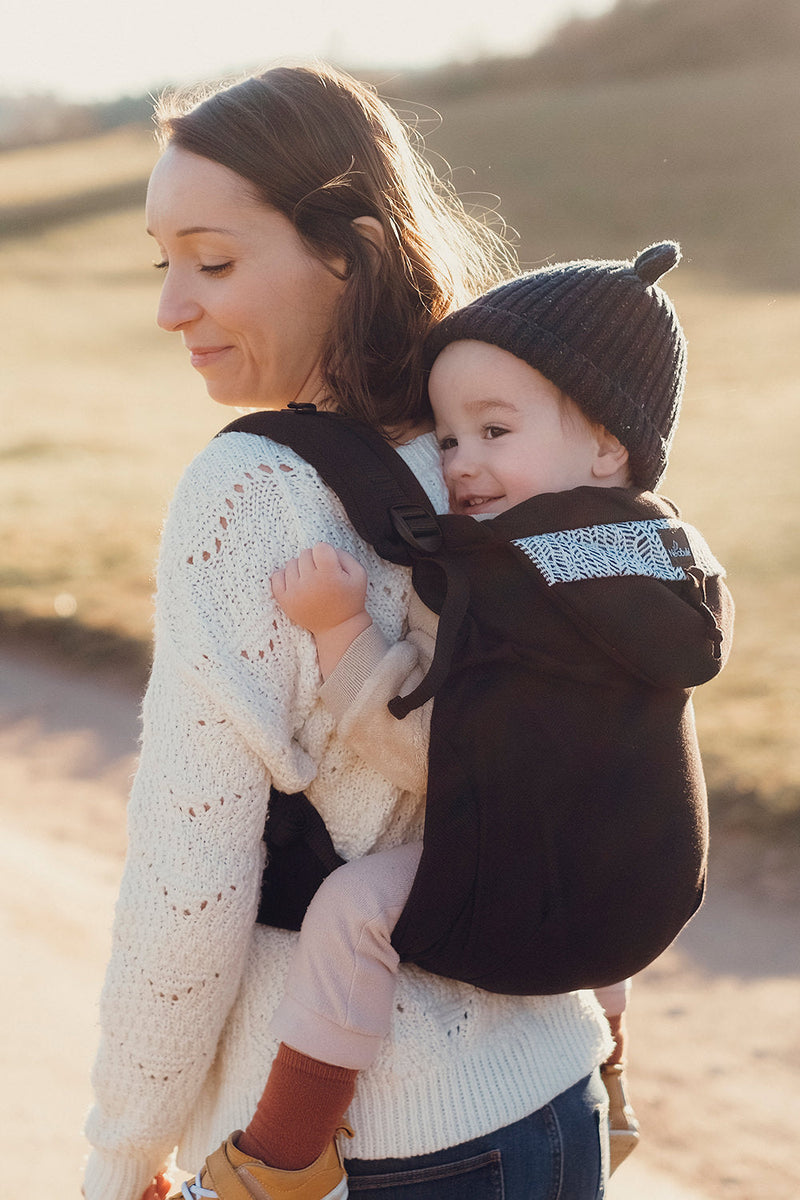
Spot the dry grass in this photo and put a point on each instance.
(734, 472)
(605, 169)
(104, 413)
(68, 168)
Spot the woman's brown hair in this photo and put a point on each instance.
(323, 149)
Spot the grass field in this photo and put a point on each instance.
(710, 159)
(104, 412)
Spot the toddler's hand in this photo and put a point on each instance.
(158, 1190)
(322, 588)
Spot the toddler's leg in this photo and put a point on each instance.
(337, 1007)
(338, 1001)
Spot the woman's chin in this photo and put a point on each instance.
(233, 400)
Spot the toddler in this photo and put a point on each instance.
(568, 377)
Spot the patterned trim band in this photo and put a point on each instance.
(651, 548)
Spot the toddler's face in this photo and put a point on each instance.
(506, 433)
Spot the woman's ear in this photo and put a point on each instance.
(611, 458)
(371, 229)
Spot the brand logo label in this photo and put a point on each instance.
(676, 544)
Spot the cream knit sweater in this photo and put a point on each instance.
(233, 705)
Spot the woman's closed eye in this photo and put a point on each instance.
(207, 269)
(494, 431)
(217, 268)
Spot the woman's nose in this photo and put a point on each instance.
(176, 308)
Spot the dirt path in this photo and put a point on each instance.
(715, 1046)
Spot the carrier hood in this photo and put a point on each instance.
(635, 578)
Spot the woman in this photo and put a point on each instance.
(306, 253)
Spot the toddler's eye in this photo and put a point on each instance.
(447, 443)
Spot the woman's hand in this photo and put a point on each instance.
(325, 590)
(158, 1189)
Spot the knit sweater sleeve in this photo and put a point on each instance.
(367, 677)
(231, 683)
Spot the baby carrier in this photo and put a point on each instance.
(565, 835)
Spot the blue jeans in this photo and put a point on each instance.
(557, 1153)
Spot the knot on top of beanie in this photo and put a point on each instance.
(656, 260)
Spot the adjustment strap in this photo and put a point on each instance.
(417, 527)
(451, 620)
(293, 818)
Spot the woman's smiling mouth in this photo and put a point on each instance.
(204, 356)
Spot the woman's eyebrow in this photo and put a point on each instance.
(191, 229)
(204, 229)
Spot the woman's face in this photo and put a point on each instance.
(251, 302)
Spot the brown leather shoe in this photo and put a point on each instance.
(231, 1175)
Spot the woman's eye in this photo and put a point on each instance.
(495, 431)
(207, 269)
(216, 268)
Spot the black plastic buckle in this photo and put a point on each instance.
(302, 406)
(417, 527)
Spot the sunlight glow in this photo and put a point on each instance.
(101, 49)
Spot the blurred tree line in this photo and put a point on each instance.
(39, 118)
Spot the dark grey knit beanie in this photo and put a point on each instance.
(604, 334)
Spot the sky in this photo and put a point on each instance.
(85, 50)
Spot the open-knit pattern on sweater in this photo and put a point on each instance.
(233, 705)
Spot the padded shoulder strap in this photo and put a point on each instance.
(381, 495)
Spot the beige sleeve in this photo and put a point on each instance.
(613, 999)
(358, 691)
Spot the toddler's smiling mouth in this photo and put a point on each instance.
(472, 503)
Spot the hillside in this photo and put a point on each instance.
(659, 118)
(638, 39)
(604, 168)
(598, 168)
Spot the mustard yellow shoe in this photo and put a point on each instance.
(623, 1128)
(231, 1175)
